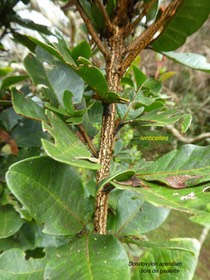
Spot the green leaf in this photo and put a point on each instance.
(191, 60)
(67, 147)
(13, 265)
(5, 70)
(130, 111)
(9, 119)
(50, 48)
(88, 72)
(24, 40)
(28, 133)
(167, 245)
(26, 106)
(152, 11)
(179, 169)
(134, 216)
(68, 104)
(167, 264)
(153, 86)
(10, 221)
(11, 80)
(186, 122)
(140, 77)
(32, 25)
(97, 17)
(90, 257)
(94, 78)
(119, 176)
(167, 75)
(189, 17)
(22, 154)
(162, 117)
(62, 78)
(52, 193)
(36, 70)
(110, 6)
(63, 53)
(176, 180)
(37, 73)
(95, 112)
(82, 49)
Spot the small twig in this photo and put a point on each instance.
(87, 139)
(107, 20)
(133, 25)
(187, 140)
(143, 40)
(105, 51)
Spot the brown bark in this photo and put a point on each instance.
(118, 59)
(108, 130)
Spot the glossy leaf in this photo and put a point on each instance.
(57, 190)
(119, 176)
(49, 47)
(37, 73)
(134, 216)
(10, 221)
(24, 40)
(90, 257)
(178, 181)
(179, 169)
(26, 106)
(167, 264)
(191, 60)
(68, 104)
(88, 72)
(67, 147)
(82, 49)
(189, 17)
(62, 78)
(94, 78)
(162, 117)
(13, 265)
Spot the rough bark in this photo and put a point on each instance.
(108, 130)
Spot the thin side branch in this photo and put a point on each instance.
(105, 51)
(143, 40)
(87, 140)
(187, 140)
(133, 25)
(107, 20)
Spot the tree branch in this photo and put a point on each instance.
(143, 40)
(187, 140)
(87, 139)
(105, 51)
(107, 131)
(131, 27)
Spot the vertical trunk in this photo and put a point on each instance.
(107, 132)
